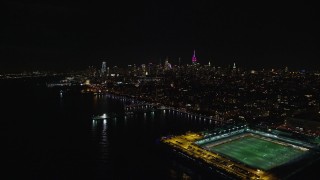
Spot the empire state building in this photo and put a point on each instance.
(194, 58)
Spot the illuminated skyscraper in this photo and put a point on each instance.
(143, 68)
(194, 58)
(103, 68)
(167, 65)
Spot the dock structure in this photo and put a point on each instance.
(143, 107)
(138, 106)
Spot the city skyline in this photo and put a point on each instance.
(72, 35)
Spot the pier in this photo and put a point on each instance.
(138, 106)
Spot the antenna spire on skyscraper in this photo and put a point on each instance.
(194, 58)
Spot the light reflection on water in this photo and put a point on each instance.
(132, 137)
(99, 132)
(104, 142)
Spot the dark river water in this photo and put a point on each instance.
(52, 136)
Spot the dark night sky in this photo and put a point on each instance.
(69, 35)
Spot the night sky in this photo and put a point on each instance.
(71, 35)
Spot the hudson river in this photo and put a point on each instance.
(52, 136)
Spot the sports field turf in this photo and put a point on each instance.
(257, 152)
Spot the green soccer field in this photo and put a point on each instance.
(257, 152)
